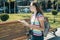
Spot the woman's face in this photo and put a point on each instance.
(32, 8)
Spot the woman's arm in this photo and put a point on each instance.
(35, 27)
(41, 20)
(42, 24)
(30, 26)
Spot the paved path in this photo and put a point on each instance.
(50, 36)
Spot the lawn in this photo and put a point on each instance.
(27, 16)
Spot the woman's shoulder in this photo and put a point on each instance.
(40, 15)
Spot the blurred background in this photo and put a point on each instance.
(18, 6)
(12, 10)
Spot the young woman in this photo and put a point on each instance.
(37, 22)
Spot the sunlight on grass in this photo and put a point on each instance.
(28, 15)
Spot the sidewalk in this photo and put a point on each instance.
(50, 35)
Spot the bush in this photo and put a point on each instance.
(54, 12)
(4, 17)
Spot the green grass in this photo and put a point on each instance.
(51, 18)
(28, 15)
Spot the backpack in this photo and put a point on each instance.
(47, 27)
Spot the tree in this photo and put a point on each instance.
(54, 12)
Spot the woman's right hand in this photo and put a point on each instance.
(24, 22)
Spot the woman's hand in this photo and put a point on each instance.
(24, 22)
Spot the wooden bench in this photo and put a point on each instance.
(12, 30)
